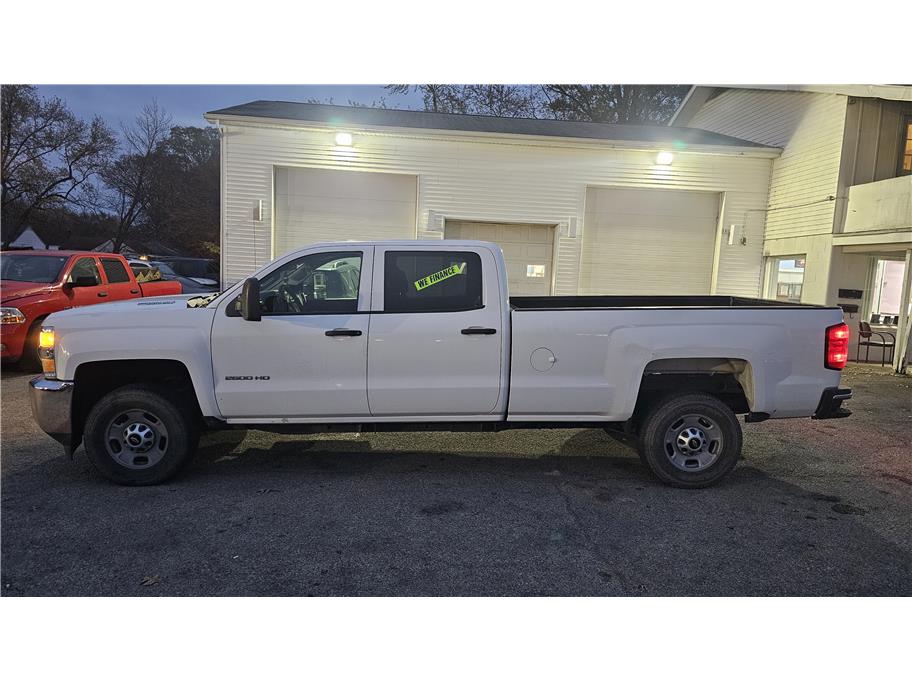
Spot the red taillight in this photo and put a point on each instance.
(836, 352)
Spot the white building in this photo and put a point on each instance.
(577, 207)
(840, 201)
(29, 239)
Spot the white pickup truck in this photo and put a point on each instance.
(417, 335)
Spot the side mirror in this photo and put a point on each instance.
(82, 281)
(249, 303)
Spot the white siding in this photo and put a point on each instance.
(319, 205)
(648, 242)
(495, 180)
(809, 127)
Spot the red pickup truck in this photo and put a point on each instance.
(34, 284)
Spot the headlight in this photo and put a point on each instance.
(11, 316)
(46, 343)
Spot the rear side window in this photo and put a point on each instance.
(85, 267)
(114, 271)
(431, 281)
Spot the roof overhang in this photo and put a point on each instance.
(490, 138)
(699, 94)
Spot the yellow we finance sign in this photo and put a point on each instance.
(437, 277)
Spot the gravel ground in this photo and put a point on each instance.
(814, 508)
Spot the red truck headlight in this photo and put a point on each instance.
(11, 316)
(836, 353)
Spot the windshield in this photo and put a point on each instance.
(22, 268)
(205, 269)
(164, 268)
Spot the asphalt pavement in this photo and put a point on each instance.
(814, 508)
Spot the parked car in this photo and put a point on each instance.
(397, 336)
(37, 283)
(189, 285)
(203, 270)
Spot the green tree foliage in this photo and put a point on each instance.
(183, 205)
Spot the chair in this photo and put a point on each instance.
(866, 338)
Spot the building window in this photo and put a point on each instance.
(905, 159)
(886, 291)
(787, 278)
(535, 270)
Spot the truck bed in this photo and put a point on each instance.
(621, 302)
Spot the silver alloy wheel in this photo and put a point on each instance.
(693, 442)
(136, 439)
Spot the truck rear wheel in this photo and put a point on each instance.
(140, 435)
(691, 440)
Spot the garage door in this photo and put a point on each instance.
(650, 242)
(527, 251)
(313, 204)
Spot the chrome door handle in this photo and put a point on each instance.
(479, 330)
(343, 332)
(102, 294)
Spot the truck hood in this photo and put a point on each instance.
(108, 313)
(161, 327)
(13, 291)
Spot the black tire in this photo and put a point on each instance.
(665, 440)
(29, 360)
(171, 420)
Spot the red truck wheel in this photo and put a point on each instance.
(29, 360)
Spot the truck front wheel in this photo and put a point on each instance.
(140, 435)
(691, 440)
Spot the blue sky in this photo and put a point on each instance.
(188, 103)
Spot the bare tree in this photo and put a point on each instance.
(49, 157)
(129, 178)
(650, 104)
(614, 103)
(479, 99)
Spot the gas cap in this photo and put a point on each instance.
(542, 359)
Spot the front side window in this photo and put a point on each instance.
(787, 278)
(431, 281)
(318, 283)
(114, 271)
(85, 268)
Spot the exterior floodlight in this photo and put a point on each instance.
(344, 139)
(664, 158)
